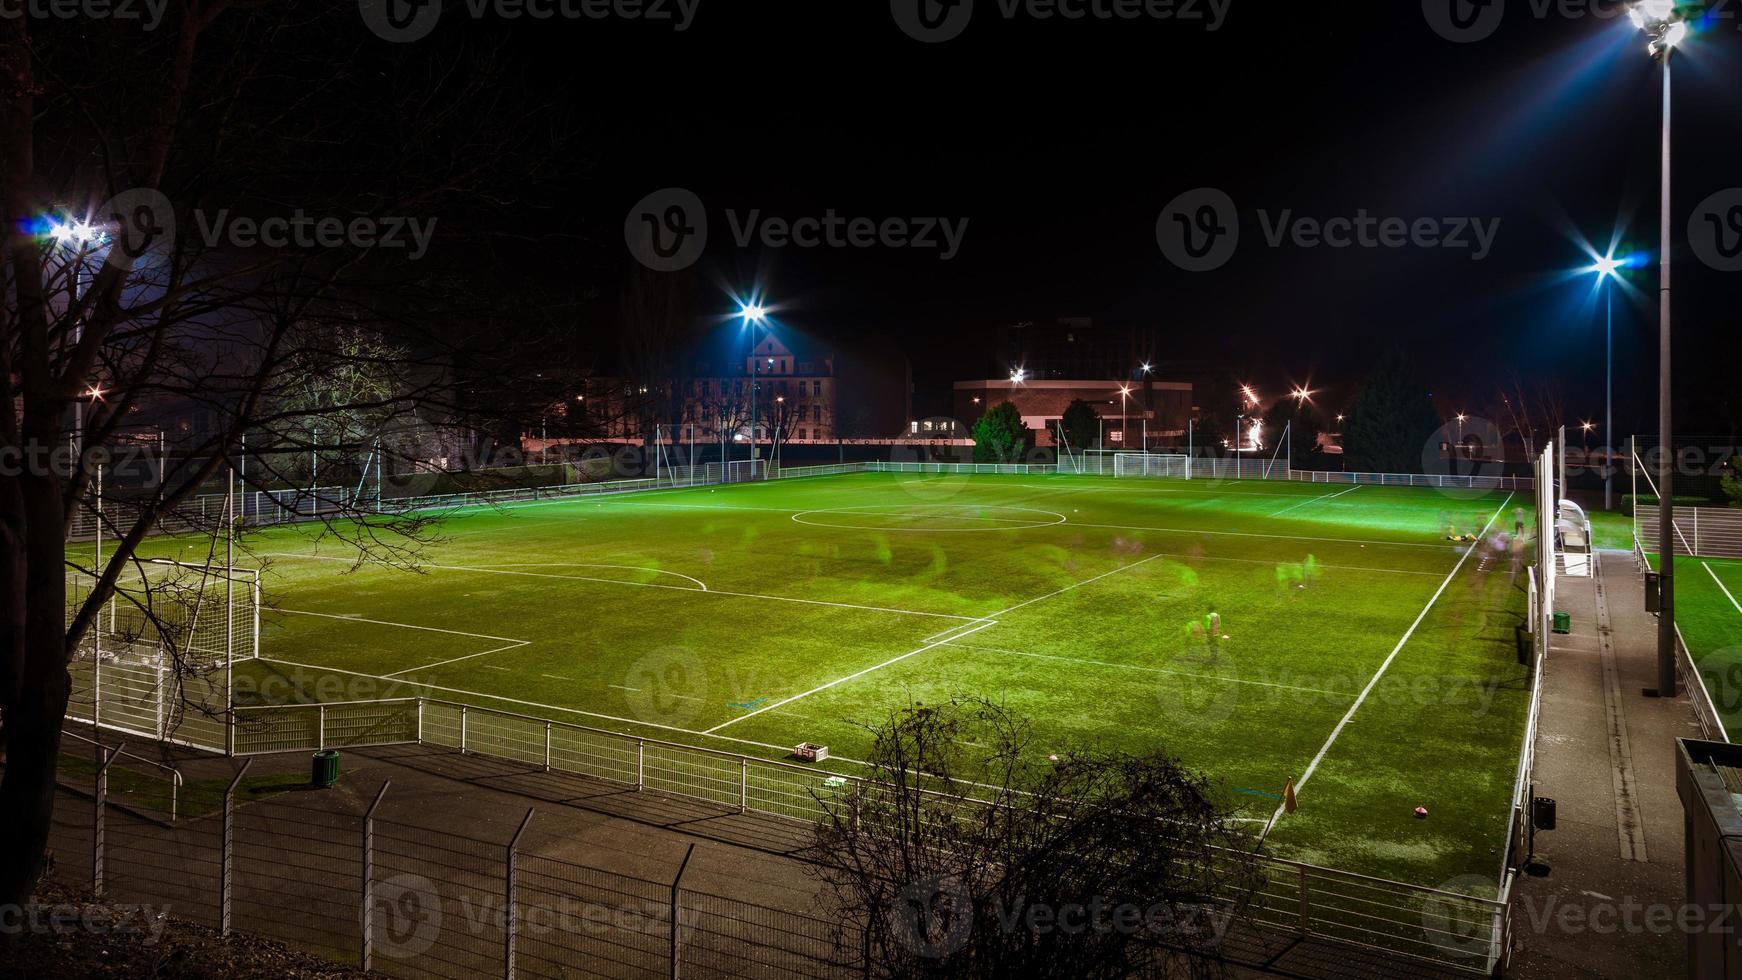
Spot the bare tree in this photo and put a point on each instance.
(969, 852)
(142, 174)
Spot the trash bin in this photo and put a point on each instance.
(1563, 623)
(1654, 592)
(326, 769)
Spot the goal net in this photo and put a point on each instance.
(157, 660)
(1152, 465)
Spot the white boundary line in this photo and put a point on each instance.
(651, 585)
(1255, 534)
(405, 626)
(577, 564)
(1335, 732)
(1148, 670)
(1314, 500)
(513, 644)
(954, 635)
(470, 656)
(524, 704)
(1721, 585)
(1076, 585)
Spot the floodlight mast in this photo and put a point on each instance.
(1663, 23)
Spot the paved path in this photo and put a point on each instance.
(1606, 754)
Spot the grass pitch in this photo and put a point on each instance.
(1361, 653)
(1708, 601)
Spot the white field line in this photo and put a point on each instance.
(1075, 585)
(1193, 491)
(1721, 585)
(354, 618)
(531, 704)
(1255, 534)
(1149, 670)
(470, 656)
(512, 644)
(1374, 681)
(1314, 500)
(652, 585)
(577, 564)
(842, 680)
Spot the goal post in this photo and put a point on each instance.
(1153, 465)
(158, 659)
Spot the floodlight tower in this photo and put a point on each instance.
(754, 315)
(1663, 22)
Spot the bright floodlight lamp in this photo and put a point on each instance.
(1018, 376)
(1148, 368)
(755, 313)
(1662, 22)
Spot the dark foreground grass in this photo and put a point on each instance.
(754, 617)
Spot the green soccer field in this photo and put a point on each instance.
(1708, 600)
(1363, 653)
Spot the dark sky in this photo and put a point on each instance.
(1061, 141)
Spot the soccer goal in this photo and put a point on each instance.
(1152, 465)
(157, 660)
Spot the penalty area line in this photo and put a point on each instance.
(1314, 500)
(1374, 681)
(952, 635)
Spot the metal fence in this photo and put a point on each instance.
(1700, 532)
(339, 876)
(1461, 932)
(1437, 481)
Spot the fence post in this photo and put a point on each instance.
(462, 729)
(102, 797)
(321, 728)
(367, 909)
(511, 921)
(420, 721)
(1305, 904)
(743, 785)
(227, 850)
(640, 764)
(677, 914)
(547, 746)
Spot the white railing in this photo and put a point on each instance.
(1701, 532)
(1438, 481)
(1463, 932)
(173, 776)
(1712, 725)
(207, 511)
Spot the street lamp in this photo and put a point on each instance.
(1662, 22)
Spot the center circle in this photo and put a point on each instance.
(930, 517)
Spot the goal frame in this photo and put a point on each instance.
(1123, 462)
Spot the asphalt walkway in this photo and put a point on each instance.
(1612, 870)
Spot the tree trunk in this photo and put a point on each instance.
(33, 593)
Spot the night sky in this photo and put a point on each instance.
(1061, 142)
